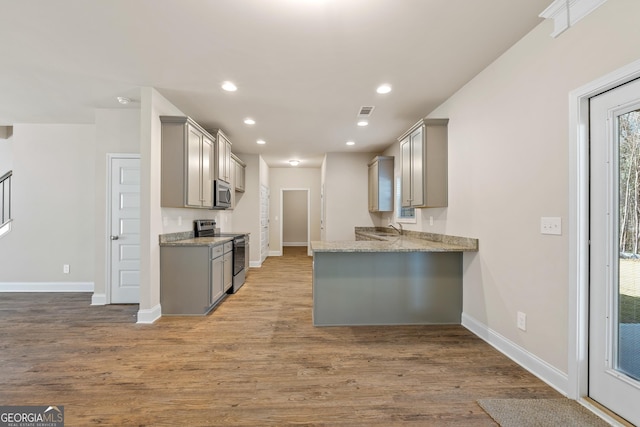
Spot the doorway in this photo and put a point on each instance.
(614, 262)
(294, 214)
(264, 223)
(123, 254)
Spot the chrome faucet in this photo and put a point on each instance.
(399, 231)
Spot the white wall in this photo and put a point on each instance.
(295, 213)
(508, 166)
(246, 215)
(117, 131)
(298, 178)
(153, 105)
(6, 155)
(52, 207)
(346, 196)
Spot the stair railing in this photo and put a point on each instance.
(5, 200)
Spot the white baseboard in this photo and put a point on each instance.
(149, 315)
(255, 264)
(538, 367)
(275, 253)
(46, 286)
(98, 299)
(294, 244)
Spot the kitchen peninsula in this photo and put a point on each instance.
(384, 278)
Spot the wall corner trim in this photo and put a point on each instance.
(149, 315)
(529, 361)
(98, 299)
(566, 13)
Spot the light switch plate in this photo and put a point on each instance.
(551, 225)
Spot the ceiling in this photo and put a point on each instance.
(303, 68)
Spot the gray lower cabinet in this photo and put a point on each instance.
(217, 274)
(194, 279)
(227, 260)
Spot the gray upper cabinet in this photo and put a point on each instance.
(223, 157)
(187, 164)
(381, 184)
(423, 153)
(239, 168)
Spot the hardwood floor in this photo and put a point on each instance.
(255, 361)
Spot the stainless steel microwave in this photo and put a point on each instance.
(221, 194)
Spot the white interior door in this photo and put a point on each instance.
(614, 283)
(125, 230)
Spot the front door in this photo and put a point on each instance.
(614, 283)
(125, 230)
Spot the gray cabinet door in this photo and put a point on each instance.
(187, 164)
(223, 158)
(228, 270)
(423, 151)
(373, 187)
(405, 155)
(217, 279)
(194, 147)
(417, 162)
(207, 159)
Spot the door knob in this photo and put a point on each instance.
(115, 237)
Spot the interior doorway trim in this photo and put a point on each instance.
(282, 191)
(578, 364)
(106, 298)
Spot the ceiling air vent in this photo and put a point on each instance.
(365, 111)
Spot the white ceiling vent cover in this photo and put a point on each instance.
(365, 111)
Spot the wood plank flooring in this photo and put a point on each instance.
(255, 361)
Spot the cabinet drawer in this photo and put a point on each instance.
(228, 247)
(216, 251)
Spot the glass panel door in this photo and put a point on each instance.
(628, 291)
(614, 281)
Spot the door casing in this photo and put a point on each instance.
(107, 232)
(282, 192)
(578, 364)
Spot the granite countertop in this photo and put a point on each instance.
(387, 240)
(198, 241)
(186, 238)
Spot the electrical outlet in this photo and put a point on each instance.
(430, 220)
(66, 269)
(522, 321)
(551, 225)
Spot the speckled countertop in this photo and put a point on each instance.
(186, 238)
(380, 239)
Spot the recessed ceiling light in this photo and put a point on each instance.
(363, 123)
(249, 121)
(229, 87)
(123, 100)
(351, 143)
(261, 142)
(294, 162)
(385, 88)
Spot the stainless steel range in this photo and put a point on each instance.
(207, 228)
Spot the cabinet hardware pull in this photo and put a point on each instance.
(115, 237)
